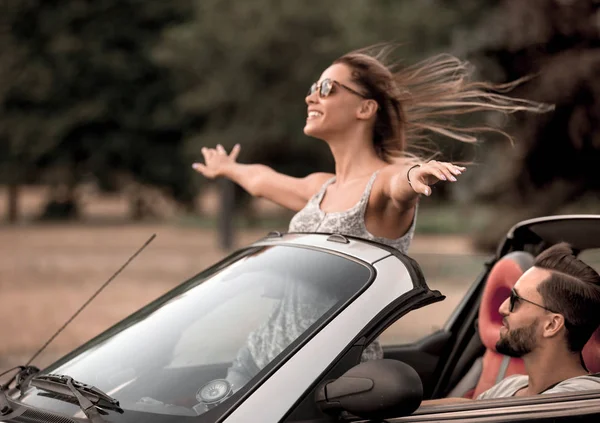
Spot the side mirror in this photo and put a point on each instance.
(377, 389)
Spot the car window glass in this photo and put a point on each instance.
(191, 350)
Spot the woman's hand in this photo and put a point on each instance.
(422, 176)
(216, 160)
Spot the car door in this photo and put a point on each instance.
(444, 356)
(572, 407)
(306, 409)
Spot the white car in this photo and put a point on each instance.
(275, 333)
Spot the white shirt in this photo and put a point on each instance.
(509, 386)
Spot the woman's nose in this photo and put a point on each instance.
(311, 98)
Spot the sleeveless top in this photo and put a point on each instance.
(349, 222)
(298, 310)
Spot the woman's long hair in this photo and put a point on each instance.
(426, 98)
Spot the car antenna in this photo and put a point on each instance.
(90, 299)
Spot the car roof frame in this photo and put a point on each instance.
(582, 231)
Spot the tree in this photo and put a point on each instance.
(79, 91)
(243, 68)
(555, 159)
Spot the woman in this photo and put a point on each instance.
(367, 114)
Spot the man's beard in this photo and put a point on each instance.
(518, 342)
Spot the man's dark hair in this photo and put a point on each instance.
(573, 290)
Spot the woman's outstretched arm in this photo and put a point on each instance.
(260, 180)
(406, 181)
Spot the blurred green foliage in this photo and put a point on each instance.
(79, 91)
(553, 166)
(130, 90)
(136, 88)
(244, 68)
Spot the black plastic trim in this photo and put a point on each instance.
(26, 413)
(521, 235)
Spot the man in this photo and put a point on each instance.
(548, 318)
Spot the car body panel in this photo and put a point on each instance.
(316, 355)
(361, 250)
(397, 287)
(558, 407)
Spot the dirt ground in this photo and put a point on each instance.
(48, 271)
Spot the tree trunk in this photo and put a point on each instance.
(13, 202)
(138, 210)
(226, 214)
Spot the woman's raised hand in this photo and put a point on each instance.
(422, 176)
(216, 161)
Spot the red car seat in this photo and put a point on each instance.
(501, 280)
(591, 353)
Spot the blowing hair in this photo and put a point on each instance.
(573, 290)
(425, 98)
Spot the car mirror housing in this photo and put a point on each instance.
(376, 389)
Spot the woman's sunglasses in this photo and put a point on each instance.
(515, 298)
(326, 87)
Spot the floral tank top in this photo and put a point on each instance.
(349, 222)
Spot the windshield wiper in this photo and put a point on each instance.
(88, 397)
(5, 407)
(22, 377)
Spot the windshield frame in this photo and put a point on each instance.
(233, 402)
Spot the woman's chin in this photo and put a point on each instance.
(311, 131)
(317, 131)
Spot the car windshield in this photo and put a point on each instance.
(215, 335)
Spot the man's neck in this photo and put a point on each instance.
(550, 366)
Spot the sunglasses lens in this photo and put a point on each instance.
(326, 86)
(312, 89)
(512, 302)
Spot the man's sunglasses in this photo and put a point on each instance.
(515, 298)
(326, 87)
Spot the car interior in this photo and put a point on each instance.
(460, 360)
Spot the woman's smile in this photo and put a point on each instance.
(313, 114)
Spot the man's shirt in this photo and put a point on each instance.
(509, 386)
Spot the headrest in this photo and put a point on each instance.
(591, 352)
(501, 280)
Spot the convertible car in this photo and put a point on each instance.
(276, 333)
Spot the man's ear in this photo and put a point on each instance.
(368, 109)
(553, 325)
